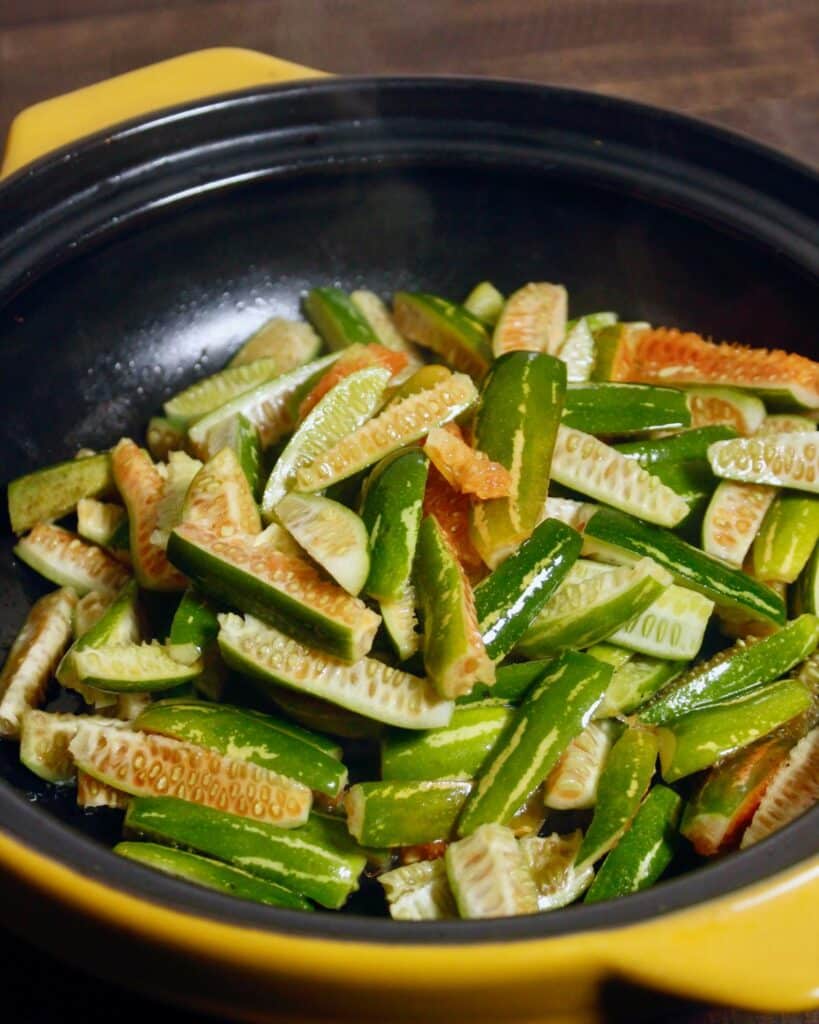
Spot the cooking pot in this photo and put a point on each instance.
(136, 258)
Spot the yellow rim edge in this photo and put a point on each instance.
(766, 932)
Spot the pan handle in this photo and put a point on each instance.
(53, 123)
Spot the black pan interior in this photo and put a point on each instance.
(135, 262)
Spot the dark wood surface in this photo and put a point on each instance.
(751, 65)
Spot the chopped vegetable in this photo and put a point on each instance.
(506, 678)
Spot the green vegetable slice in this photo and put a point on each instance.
(331, 534)
(623, 784)
(219, 498)
(377, 315)
(248, 736)
(292, 343)
(158, 766)
(578, 351)
(532, 319)
(138, 668)
(419, 892)
(455, 657)
(33, 657)
(556, 710)
(204, 871)
(399, 424)
(551, 860)
(44, 740)
(787, 538)
(268, 407)
(203, 396)
(509, 599)
(489, 875)
(511, 682)
(279, 588)
(65, 559)
(805, 594)
(617, 537)
(784, 460)
(195, 622)
(733, 673)
(585, 612)
(177, 478)
(367, 687)
(698, 740)
(573, 783)
(644, 852)
(404, 813)
(446, 328)
(457, 750)
(793, 790)
(391, 510)
(683, 447)
(162, 438)
(242, 437)
(672, 626)
(485, 302)
(635, 683)
(516, 425)
(733, 518)
(102, 523)
(120, 623)
(401, 624)
(347, 406)
(725, 802)
(141, 487)
(53, 492)
(318, 860)
(593, 468)
(338, 319)
(617, 409)
(712, 406)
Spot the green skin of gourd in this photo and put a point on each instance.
(195, 622)
(698, 740)
(247, 736)
(625, 780)
(644, 852)
(511, 682)
(555, 710)
(53, 492)
(449, 632)
(624, 538)
(508, 600)
(683, 447)
(391, 511)
(516, 425)
(786, 538)
(405, 813)
(337, 318)
(212, 874)
(446, 328)
(457, 751)
(746, 669)
(319, 860)
(617, 409)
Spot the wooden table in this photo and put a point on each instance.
(751, 65)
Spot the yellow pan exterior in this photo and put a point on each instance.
(758, 948)
(194, 76)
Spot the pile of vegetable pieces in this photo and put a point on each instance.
(521, 558)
